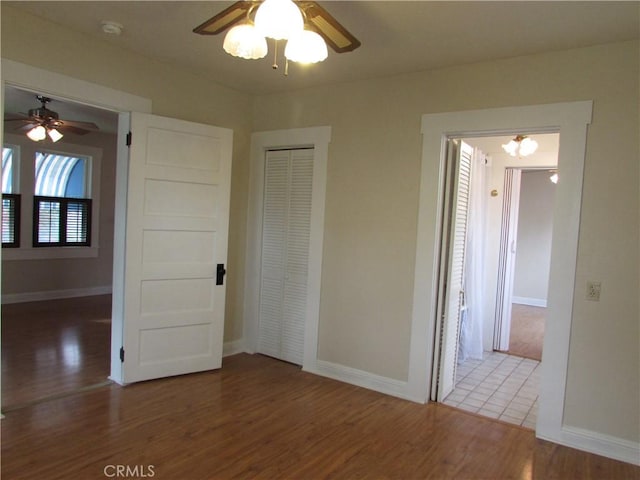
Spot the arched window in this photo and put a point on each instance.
(60, 176)
(62, 207)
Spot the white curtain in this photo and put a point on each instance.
(472, 315)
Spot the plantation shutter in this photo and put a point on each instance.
(285, 253)
(10, 220)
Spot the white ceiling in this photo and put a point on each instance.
(397, 37)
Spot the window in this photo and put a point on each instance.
(61, 205)
(50, 199)
(10, 199)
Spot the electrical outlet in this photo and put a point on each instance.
(593, 291)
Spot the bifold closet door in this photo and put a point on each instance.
(454, 237)
(285, 253)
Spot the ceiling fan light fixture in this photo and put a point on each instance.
(54, 134)
(528, 146)
(244, 41)
(37, 133)
(279, 19)
(511, 148)
(307, 47)
(520, 145)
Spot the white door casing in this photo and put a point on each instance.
(318, 138)
(570, 120)
(56, 85)
(177, 215)
(452, 265)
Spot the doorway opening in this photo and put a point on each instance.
(56, 302)
(504, 283)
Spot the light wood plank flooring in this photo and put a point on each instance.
(54, 347)
(261, 418)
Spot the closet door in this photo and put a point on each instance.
(451, 286)
(285, 253)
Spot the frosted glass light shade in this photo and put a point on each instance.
(279, 19)
(511, 148)
(37, 133)
(528, 146)
(520, 145)
(54, 135)
(307, 47)
(244, 41)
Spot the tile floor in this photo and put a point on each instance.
(500, 386)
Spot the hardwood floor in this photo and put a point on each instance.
(53, 347)
(261, 418)
(527, 331)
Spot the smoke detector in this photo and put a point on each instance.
(112, 28)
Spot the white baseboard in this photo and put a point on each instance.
(233, 347)
(360, 378)
(597, 443)
(532, 302)
(54, 294)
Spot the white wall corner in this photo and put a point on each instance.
(233, 347)
(596, 443)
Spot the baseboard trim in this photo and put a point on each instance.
(360, 378)
(532, 302)
(233, 347)
(597, 443)
(54, 294)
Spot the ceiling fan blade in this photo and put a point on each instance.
(336, 36)
(64, 129)
(12, 117)
(225, 19)
(88, 126)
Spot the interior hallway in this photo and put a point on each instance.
(527, 331)
(54, 347)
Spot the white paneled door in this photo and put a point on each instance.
(285, 253)
(175, 247)
(451, 300)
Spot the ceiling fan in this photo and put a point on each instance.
(315, 19)
(41, 122)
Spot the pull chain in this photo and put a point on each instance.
(275, 55)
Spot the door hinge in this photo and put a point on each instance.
(129, 136)
(122, 354)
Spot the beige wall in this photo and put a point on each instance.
(372, 198)
(174, 93)
(372, 192)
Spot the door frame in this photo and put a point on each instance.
(19, 75)
(570, 120)
(318, 138)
